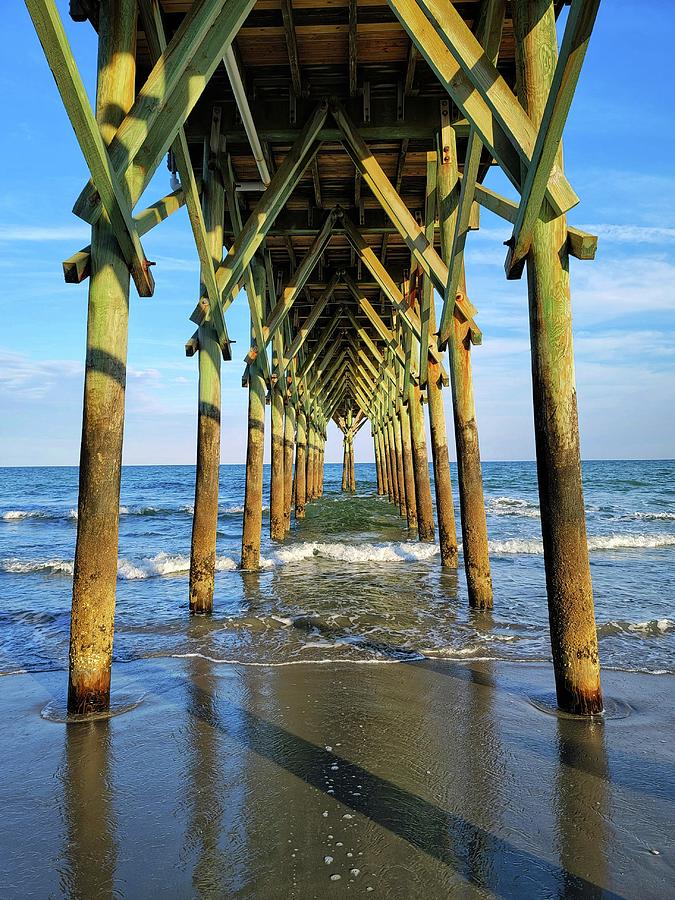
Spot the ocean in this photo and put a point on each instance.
(348, 584)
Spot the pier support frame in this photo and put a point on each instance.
(95, 573)
(393, 468)
(574, 641)
(205, 517)
(378, 463)
(425, 509)
(301, 465)
(277, 528)
(469, 472)
(255, 447)
(408, 467)
(289, 444)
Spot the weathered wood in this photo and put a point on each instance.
(445, 511)
(545, 155)
(489, 35)
(164, 102)
(460, 63)
(292, 45)
(96, 547)
(352, 49)
(469, 472)
(408, 466)
(396, 209)
(289, 444)
(78, 266)
(367, 256)
(277, 499)
(255, 446)
(301, 464)
(262, 218)
(112, 189)
(205, 517)
(425, 509)
(574, 642)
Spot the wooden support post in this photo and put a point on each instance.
(378, 461)
(402, 505)
(352, 470)
(445, 511)
(301, 465)
(205, 518)
(95, 574)
(253, 496)
(469, 473)
(345, 464)
(408, 469)
(311, 447)
(277, 529)
(425, 509)
(574, 641)
(318, 461)
(393, 469)
(445, 507)
(289, 443)
(384, 457)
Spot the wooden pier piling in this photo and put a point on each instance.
(289, 446)
(469, 470)
(301, 465)
(408, 466)
(574, 641)
(95, 573)
(205, 517)
(425, 510)
(255, 446)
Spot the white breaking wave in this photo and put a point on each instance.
(653, 627)
(48, 566)
(165, 564)
(513, 506)
(655, 516)
(391, 552)
(517, 546)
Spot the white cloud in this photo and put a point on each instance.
(632, 234)
(25, 233)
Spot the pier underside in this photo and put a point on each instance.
(331, 157)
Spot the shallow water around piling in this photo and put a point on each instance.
(350, 583)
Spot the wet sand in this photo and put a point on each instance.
(405, 780)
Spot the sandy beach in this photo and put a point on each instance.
(309, 781)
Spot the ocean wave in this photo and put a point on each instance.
(236, 510)
(46, 566)
(518, 546)
(354, 553)
(654, 516)
(164, 565)
(513, 506)
(650, 628)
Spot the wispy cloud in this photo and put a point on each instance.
(633, 234)
(10, 233)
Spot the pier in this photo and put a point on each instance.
(331, 158)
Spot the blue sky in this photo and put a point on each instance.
(618, 151)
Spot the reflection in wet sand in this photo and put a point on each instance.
(581, 808)
(90, 848)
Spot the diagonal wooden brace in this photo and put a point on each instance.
(111, 189)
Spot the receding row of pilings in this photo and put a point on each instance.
(397, 417)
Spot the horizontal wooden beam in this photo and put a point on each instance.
(78, 266)
(580, 244)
